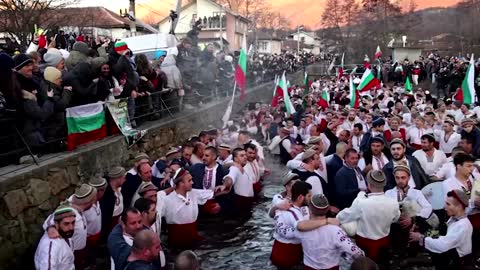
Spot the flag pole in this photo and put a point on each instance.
(228, 111)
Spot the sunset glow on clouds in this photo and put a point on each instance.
(307, 12)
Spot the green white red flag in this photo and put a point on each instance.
(286, 98)
(368, 81)
(466, 94)
(378, 53)
(354, 93)
(408, 86)
(307, 84)
(241, 68)
(324, 99)
(85, 124)
(340, 69)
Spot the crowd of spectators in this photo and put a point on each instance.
(65, 70)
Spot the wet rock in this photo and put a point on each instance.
(58, 180)
(16, 201)
(38, 191)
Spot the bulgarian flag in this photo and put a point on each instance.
(85, 124)
(408, 86)
(354, 95)
(288, 103)
(324, 99)
(466, 94)
(378, 53)
(277, 93)
(340, 70)
(307, 84)
(241, 68)
(368, 81)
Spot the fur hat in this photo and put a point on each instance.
(397, 141)
(308, 154)
(289, 177)
(314, 140)
(52, 74)
(84, 194)
(141, 156)
(468, 121)
(460, 196)
(145, 187)
(97, 182)
(376, 178)
(116, 172)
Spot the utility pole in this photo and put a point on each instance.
(133, 24)
(298, 39)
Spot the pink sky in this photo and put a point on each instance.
(306, 12)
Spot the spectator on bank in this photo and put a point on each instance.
(78, 54)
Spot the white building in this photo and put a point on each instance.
(309, 39)
(217, 22)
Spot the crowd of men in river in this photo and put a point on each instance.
(398, 174)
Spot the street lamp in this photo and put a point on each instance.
(298, 39)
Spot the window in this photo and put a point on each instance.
(302, 39)
(262, 46)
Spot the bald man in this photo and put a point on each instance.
(145, 249)
(187, 260)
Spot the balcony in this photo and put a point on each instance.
(215, 22)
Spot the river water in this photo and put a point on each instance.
(245, 245)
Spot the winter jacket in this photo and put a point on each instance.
(118, 248)
(81, 80)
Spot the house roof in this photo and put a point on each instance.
(227, 10)
(90, 17)
(99, 17)
(262, 35)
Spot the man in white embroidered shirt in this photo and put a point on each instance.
(430, 158)
(409, 199)
(181, 211)
(450, 251)
(287, 250)
(374, 214)
(323, 246)
(57, 253)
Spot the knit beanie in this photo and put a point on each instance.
(6, 62)
(52, 74)
(52, 59)
(120, 46)
(81, 47)
(22, 60)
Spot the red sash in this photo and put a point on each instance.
(309, 268)
(93, 241)
(208, 206)
(475, 220)
(372, 248)
(183, 236)
(243, 204)
(286, 256)
(257, 187)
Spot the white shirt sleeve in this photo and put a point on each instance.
(202, 195)
(442, 172)
(353, 213)
(232, 174)
(361, 164)
(275, 142)
(284, 226)
(316, 185)
(287, 145)
(445, 243)
(294, 164)
(346, 245)
(426, 210)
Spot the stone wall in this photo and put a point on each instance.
(30, 194)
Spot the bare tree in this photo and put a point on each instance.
(18, 17)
